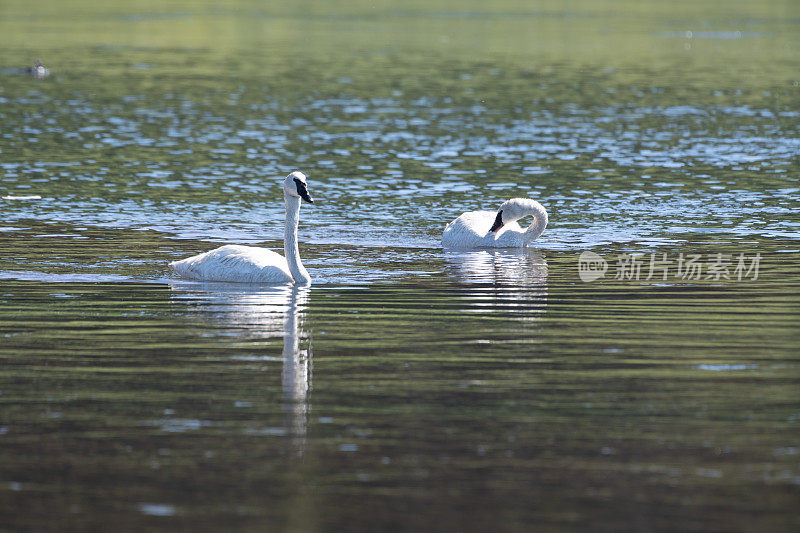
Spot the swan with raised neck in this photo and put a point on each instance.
(249, 264)
(497, 229)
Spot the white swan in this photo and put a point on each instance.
(485, 229)
(247, 264)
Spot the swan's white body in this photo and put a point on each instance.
(487, 229)
(248, 264)
(232, 262)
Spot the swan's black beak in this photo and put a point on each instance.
(498, 222)
(303, 191)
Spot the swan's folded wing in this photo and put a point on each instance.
(469, 230)
(236, 264)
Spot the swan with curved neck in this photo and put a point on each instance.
(487, 229)
(248, 264)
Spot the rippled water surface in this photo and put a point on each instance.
(409, 388)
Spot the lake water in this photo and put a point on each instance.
(409, 388)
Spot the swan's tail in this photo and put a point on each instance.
(196, 267)
(183, 268)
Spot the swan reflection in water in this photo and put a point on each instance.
(513, 280)
(266, 312)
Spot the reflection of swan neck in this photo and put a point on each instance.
(295, 363)
(290, 248)
(296, 376)
(537, 226)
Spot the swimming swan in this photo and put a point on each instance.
(485, 229)
(247, 264)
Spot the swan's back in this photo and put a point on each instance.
(235, 263)
(469, 225)
(471, 230)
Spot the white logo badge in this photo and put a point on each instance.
(591, 266)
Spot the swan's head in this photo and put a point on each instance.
(295, 185)
(515, 209)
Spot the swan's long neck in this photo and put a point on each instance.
(537, 226)
(290, 249)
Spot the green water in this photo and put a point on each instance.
(409, 388)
